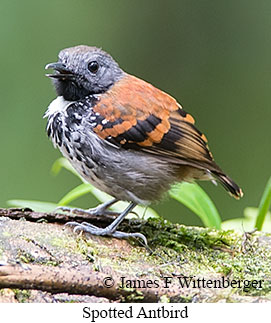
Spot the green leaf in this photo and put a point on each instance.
(264, 206)
(37, 206)
(64, 163)
(247, 223)
(194, 197)
(78, 191)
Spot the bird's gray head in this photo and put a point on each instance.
(83, 70)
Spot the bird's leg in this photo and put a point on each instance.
(110, 230)
(98, 210)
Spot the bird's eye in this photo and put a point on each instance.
(93, 67)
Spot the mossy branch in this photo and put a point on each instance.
(38, 255)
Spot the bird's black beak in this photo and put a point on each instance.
(61, 71)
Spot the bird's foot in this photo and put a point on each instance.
(108, 231)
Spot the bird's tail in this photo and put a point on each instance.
(231, 187)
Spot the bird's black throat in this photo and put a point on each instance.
(70, 90)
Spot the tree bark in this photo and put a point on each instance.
(43, 261)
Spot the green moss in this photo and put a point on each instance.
(25, 257)
(133, 296)
(164, 299)
(85, 248)
(205, 250)
(61, 242)
(180, 299)
(22, 295)
(6, 234)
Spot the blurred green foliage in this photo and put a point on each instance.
(212, 56)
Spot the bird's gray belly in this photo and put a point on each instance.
(125, 174)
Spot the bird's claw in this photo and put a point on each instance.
(92, 229)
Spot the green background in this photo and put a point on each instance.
(212, 56)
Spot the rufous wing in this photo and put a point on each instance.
(133, 114)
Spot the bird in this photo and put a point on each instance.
(123, 135)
